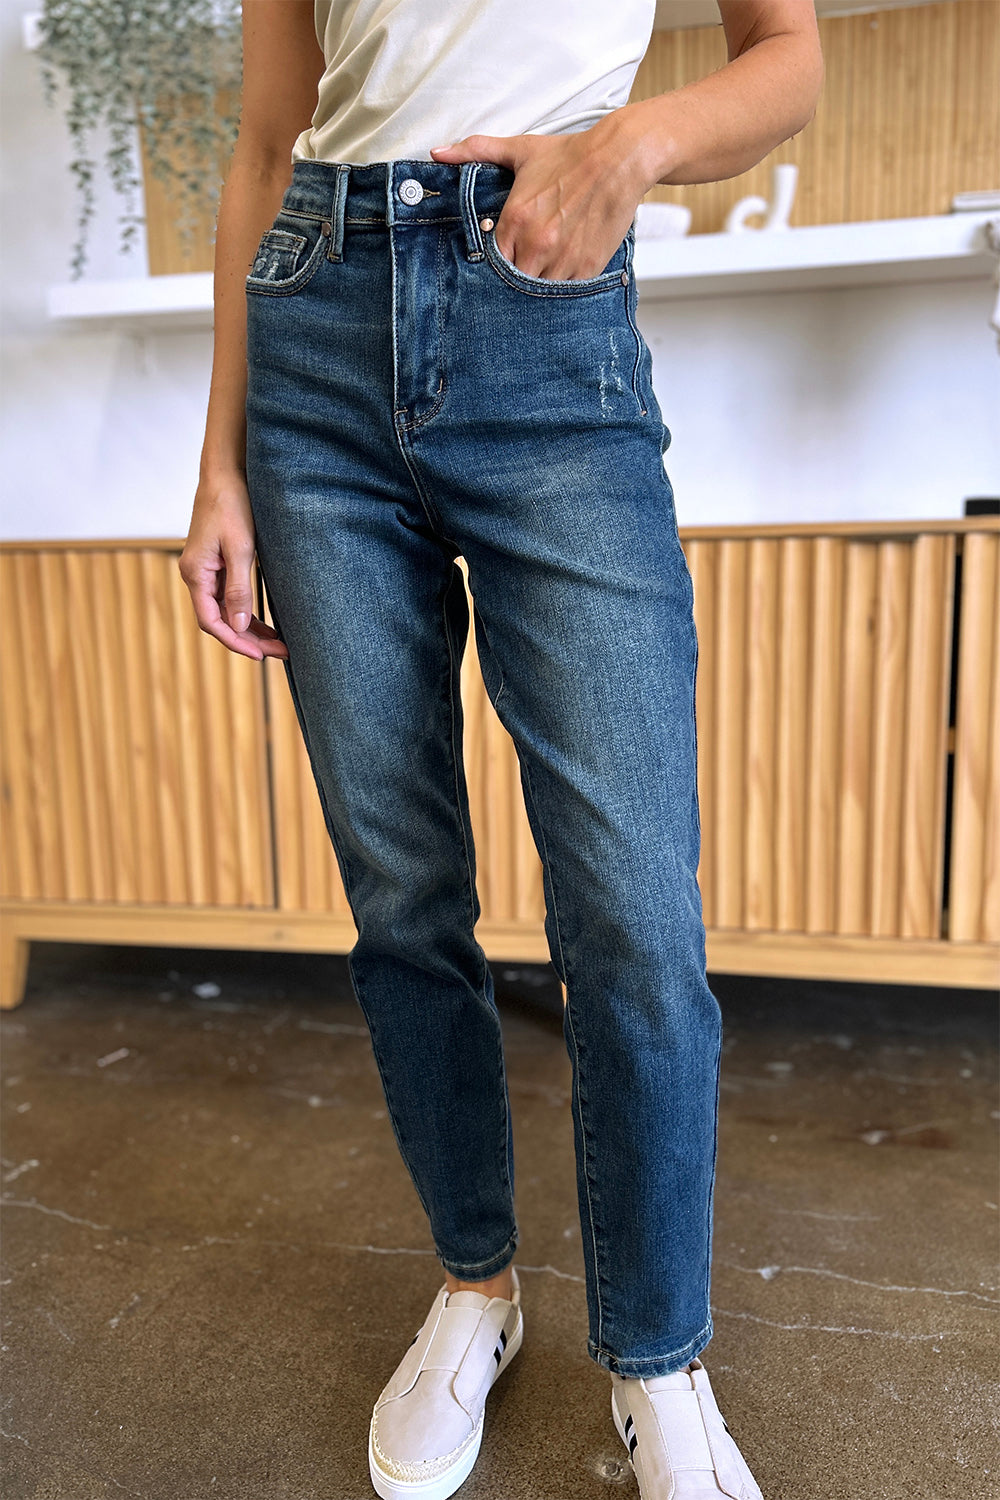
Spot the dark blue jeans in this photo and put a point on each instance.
(413, 397)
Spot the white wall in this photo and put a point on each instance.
(854, 403)
(863, 403)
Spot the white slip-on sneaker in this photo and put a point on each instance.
(677, 1438)
(427, 1426)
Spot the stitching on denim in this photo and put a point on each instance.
(711, 1178)
(690, 1350)
(410, 460)
(336, 247)
(586, 1154)
(589, 287)
(262, 286)
(630, 292)
(576, 1048)
(467, 192)
(442, 389)
(504, 1256)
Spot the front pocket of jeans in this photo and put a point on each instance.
(616, 274)
(286, 259)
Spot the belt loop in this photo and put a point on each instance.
(390, 197)
(467, 198)
(336, 251)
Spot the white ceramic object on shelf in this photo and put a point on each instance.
(662, 221)
(784, 176)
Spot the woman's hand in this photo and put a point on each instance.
(216, 566)
(572, 201)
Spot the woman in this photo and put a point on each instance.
(435, 353)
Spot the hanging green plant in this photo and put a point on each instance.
(157, 66)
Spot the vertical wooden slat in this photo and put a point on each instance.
(503, 806)
(529, 894)
(973, 130)
(854, 791)
(63, 713)
(195, 827)
(110, 713)
(888, 734)
(730, 727)
(289, 814)
(924, 768)
(474, 707)
(825, 668)
(989, 925)
(822, 150)
(143, 838)
(973, 894)
(161, 677)
(252, 881)
(761, 741)
(95, 791)
(792, 698)
(22, 875)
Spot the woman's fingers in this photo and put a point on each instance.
(216, 565)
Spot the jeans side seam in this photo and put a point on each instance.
(585, 1164)
(630, 297)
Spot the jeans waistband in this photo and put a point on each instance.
(393, 194)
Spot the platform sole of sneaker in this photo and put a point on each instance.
(441, 1486)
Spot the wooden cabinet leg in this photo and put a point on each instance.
(14, 951)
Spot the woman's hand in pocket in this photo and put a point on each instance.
(217, 564)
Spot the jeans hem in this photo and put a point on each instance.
(485, 1269)
(652, 1365)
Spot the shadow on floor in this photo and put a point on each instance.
(213, 1257)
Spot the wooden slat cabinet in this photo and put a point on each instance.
(156, 789)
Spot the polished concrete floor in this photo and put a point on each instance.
(213, 1259)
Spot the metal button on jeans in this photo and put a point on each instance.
(410, 190)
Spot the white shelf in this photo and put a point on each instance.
(942, 247)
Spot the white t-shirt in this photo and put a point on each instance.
(405, 75)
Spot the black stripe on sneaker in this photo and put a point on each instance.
(628, 1424)
(503, 1339)
(632, 1446)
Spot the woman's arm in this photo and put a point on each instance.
(726, 123)
(282, 65)
(575, 195)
